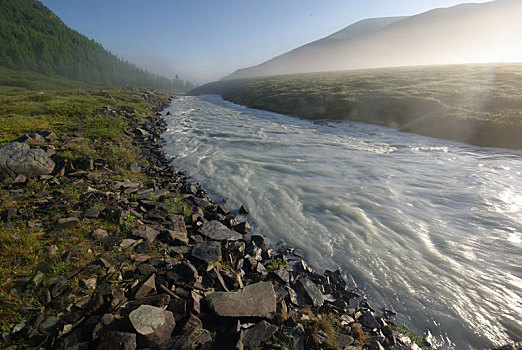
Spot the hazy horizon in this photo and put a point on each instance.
(206, 41)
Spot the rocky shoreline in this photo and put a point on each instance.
(172, 276)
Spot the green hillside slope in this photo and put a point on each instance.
(33, 38)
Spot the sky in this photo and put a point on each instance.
(203, 40)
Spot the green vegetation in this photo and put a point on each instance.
(476, 104)
(94, 123)
(276, 264)
(34, 40)
(416, 338)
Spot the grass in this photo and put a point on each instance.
(276, 264)
(477, 104)
(95, 123)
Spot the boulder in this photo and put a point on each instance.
(17, 158)
(260, 333)
(154, 325)
(312, 292)
(207, 252)
(255, 300)
(217, 231)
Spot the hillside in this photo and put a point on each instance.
(34, 39)
(486, 32)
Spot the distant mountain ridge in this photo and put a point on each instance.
(464, 33)
(33, 38)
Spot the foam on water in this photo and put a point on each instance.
(430, 228)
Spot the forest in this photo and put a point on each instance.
(33, 38)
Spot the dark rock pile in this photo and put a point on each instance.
(184, 280)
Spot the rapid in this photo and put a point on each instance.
(429, 228)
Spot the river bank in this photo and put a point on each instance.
(478, 104)
(128, 253)
(112, 254)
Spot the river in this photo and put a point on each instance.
(429, 228)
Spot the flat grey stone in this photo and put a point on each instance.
(311, 291)
(145, 232)
(218, 232)
(49, 324)
(207, 252)
(260, 333)
(255, 300)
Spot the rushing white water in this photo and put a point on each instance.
(430, 228)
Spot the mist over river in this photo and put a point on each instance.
(429, 228)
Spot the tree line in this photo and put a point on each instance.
(33, 38)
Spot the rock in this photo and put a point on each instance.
(17, 158)
(113, 214)
(117, 340)
(190, 339)
(47, 135)
(49, 150)
(153, 324)
(49, 325)
(188, 272)
(259, 241)
(207, 252)
(297, 336)
(146, 287)
(312, 292)
(99, 233)
(127, 243)
(260, 333)
(255, 300)
(34, 162)
(217, 231)
(88, 283)
(177, 236)
(343, 340)
(146, 269)
(84, 163)
(30, 138)
(38, 278)
(243, 228)
(6, 152)
(243, 210)
(178, 307)
(134, 167)
(64, 223)
(142, 132)
(145, 232)
(91, 213)
(158, 300)
(20, 180)
(143, 247)
(367, 320)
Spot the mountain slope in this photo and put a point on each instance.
(463, 33)
(33, 38)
